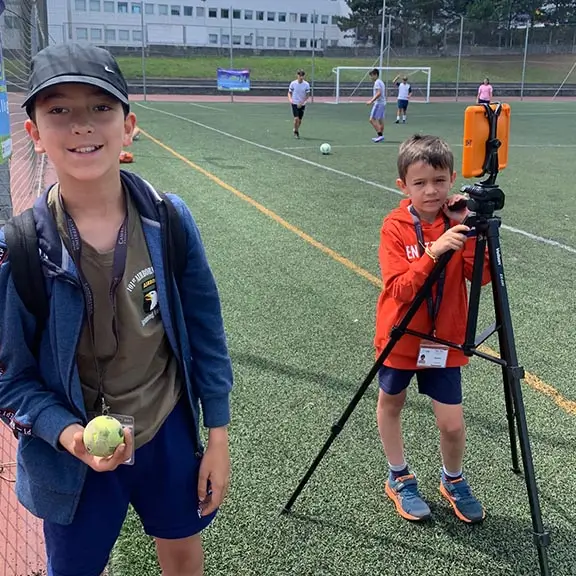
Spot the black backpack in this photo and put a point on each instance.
(27, 275)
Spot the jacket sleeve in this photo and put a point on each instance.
(211, 364)
(468, 255)
(402, 278)
(26, 405)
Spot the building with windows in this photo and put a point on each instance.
(247, 24)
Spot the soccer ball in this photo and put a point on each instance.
(325, 148)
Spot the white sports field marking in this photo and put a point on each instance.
(529, 235)
(207, 107)
(374, 145)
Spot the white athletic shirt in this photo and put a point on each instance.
(299, 90)
(404, 91)
(379, 87)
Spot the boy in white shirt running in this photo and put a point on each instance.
(404, 93)
(298, 94)
(378, 103)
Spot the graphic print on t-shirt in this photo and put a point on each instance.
(143, 284)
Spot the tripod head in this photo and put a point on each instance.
(486, 197)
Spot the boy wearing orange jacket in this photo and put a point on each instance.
(413, 236)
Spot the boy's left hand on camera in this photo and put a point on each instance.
(214, 475)
(458, 215)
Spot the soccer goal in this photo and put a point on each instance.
(353, 83)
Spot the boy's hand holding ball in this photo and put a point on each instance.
(103, 444)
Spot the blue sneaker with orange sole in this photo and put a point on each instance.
(465, 505)
(403, 491)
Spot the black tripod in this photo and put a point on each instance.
(484, 198)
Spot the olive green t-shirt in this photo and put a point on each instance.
(139, 372)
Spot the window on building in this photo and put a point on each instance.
(271, 16)
(124, 35)
(236, 14)
(110, 35)
(248, 40)
(303, 43)
(259, 41)
(324, 19)
(225, 39)
(334, 20)
(224, 13)
(175, 10)
(314, 18)
(95, 6)
(188, 11)
(281, 16)
(259, 15)
(281, 42)
(163, 9)
(80, 5)
(149, 9)
(136, 8)
(213, 38)
(122, 7)
(81, 33)
(200, 12)
(137, 35)
(212, 13)
(236, 40)
(303, 18)
(293, 42)
(95, 34)
(248, 14)
(108, 6)
(270, 42)
(293, 17)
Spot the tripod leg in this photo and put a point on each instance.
(513, 375)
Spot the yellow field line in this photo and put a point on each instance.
(533, 381)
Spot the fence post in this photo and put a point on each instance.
(382, 32)
(459, 56)
(5, 142)
(143, 32)
(313, 55)
(524, 61)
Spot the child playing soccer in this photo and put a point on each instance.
(123, 337)
(298, 94)
(404, 93)
(413, 237)
(378, 103)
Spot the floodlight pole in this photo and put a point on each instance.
(382, 32)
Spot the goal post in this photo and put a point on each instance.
(353, 83)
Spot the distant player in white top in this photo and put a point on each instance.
(298, 94)
(404, 93)
(378, 103)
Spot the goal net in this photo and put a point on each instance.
(353, 83)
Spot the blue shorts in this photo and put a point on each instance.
(378, 111)
(441, 384)
(162, 486)
(402, 104)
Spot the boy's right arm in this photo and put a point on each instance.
(25, 402)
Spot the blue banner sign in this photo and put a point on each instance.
(233, 80)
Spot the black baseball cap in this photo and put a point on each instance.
(76, 63)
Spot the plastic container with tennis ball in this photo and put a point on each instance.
(103, 435)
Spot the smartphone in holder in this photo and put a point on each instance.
(476, 135)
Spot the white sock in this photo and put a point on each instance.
(404, 117)
(452, 474)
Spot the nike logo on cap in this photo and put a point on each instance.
(108, 69)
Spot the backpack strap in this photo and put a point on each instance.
(179, 252)
(27, 275)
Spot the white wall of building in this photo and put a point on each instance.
(250, 24)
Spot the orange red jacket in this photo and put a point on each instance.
(404, 272)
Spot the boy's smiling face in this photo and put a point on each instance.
(427, 187)
(82, 129)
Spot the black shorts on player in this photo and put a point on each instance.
(298, 112)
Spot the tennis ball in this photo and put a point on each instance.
(325, 148)
(103, 435)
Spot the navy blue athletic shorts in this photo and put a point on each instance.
(441, 384)
(162, 486)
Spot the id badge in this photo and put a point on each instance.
(126, 422)
(432, 355)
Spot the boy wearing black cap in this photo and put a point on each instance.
(123, 337)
